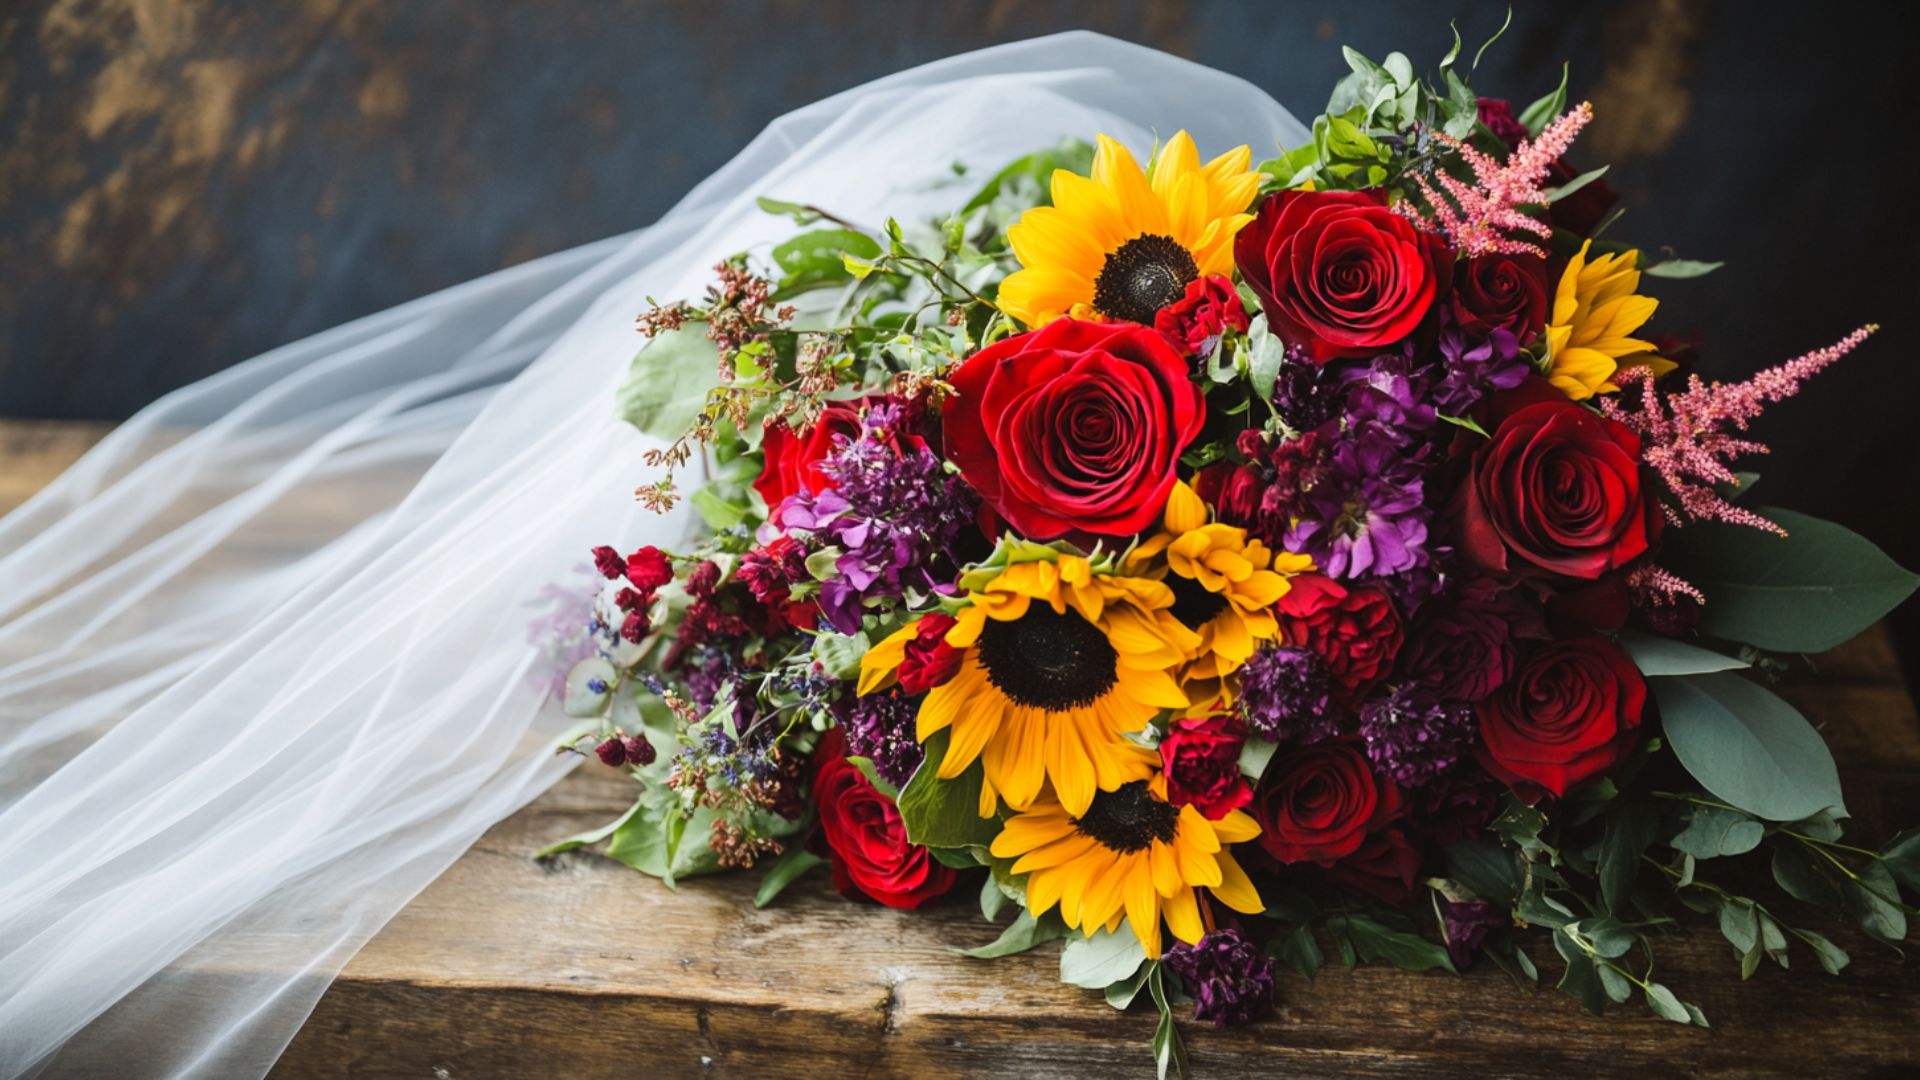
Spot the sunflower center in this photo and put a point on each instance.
(1142, 276)
(1048, 660)
(1128, 819)
(1194, 604)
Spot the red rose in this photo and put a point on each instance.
(1201, 756)
(1571, 711)
(929, 660)
(1075, 427)
(1193, 324)
(1556, 489)
(1356, 632)
(1339, 273)
(1321, 803)
(793, 458)
(866, 840)
(1385, 867)
(1502, 292)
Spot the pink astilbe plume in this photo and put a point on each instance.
(1480, 216)
(1684, 435)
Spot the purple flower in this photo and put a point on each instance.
(893, 513)
(1465, 925)
(1285, 695)
(1230, 979)
(880, 728)
(1475, 369)
(1305, 394)
(1413, 737)
(1392, 395)
(1367, 516)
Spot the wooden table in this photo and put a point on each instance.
(506, 967)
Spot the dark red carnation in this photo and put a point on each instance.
(1501, 292)
(1356, 632)
(1233, 491)
(770, 572)
(1557, 490)
(1571, 711)
(649, 568)
(1193, 324)
(608, 562)
(1321, 802)
(1338, 273)
(1201, 758)
(865, 838)
(1076, 427)
(929, 660)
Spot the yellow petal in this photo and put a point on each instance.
(1236, 889)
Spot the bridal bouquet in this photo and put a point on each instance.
(1212, 563)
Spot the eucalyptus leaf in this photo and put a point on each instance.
(1669, 1007)
(1582, 977)
(1121, 994)
(1901, 857)
(1169, 1053)
(1299, 950)
(580, 698)
(1255, 753)
(1656, 655)
(1808, 591)
(839, 654)
(1487, 868)
(1021, 934)
(1871, 899)
(1712, 832)
(1831, 957)
(1630, 829)
(1265, 354)
(1748, 747)
(1801, 874)
(1099, 961)
(819, 257)
(666, 385)
(591, 836)
(1681, 268)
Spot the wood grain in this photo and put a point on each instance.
(579, 967)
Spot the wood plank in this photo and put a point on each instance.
(581, 967)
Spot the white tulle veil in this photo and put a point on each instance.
(265, 667)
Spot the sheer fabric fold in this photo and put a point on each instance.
(265, 661)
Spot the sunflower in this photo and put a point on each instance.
(1130, 854)
(1224, 588)
(1058, 663)
(1595, 310)
(1123, 244)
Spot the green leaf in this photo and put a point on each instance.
(1121, 994)
(801, 215)
(579, 698)
(786, 869)
(1454, 52)
(1255, 753)
(1901, 857)
(1669, 1007)
(1681, 268)
(1482, 51)
(1374, 941)
(1021, 934)
(1265, 354)
(880, 783)
(640, 842)
(1576, 184)
(945, 813)
(993, 899)
(1609, 937)
(1582, 977)
(838, 654)
(591, 836)
(719, 514)
(819, 256)
(1655, 655)
(1543, 111)
(1099, 961)
(1169, 1053)
(1630, 828)
(1871, 901)
(1300, 950)
(1033, 173)
(667, 383)
(1832, 957)
(1805, 592)
(1712, 832)
(1748, 747)
(1801, 874)
(1487, 868)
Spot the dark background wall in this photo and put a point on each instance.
(185, 183)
